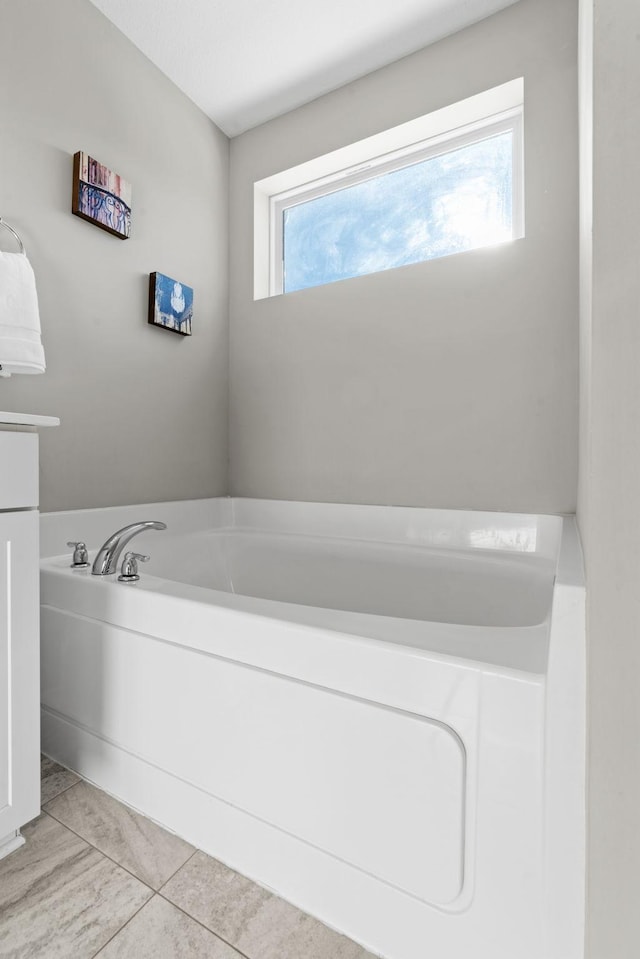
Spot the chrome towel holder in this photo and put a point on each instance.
(12, 231)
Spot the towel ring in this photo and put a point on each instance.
(12, 231)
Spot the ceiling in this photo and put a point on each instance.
(246, 61)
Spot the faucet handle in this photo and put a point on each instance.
(129, 571)
(80, 555)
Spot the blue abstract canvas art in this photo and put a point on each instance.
(170, 304)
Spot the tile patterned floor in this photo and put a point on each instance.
(96, 879)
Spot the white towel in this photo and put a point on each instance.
(20, 346)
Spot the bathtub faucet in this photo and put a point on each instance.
(106, 562)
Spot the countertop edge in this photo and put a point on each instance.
(28, 419)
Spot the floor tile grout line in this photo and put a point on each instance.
(51, 798)
(246, 955)
(200, 923)
(123, 926)
(155, 892)
(101, 852)
(130, 809)
(173, 874)
(110, 858)
(104, 856)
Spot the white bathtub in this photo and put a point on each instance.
(351, 705)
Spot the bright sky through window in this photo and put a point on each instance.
(457, 201)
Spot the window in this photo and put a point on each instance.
(455, 190)
(439, 204)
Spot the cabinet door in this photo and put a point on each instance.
(19, 670)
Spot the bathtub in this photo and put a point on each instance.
(374, 711)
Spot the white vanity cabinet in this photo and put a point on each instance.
(19, 626)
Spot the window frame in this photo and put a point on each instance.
(435, 128)
(449, 142)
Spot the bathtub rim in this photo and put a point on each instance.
(515, 648)
(96, 523)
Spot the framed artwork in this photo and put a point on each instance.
(170, 304)
(101, 196)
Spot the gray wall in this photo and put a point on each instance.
(451, 383)
(610, 482)
(144, 411)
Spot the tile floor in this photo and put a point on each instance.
(96, 879)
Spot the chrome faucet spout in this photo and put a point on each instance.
(106, 562)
